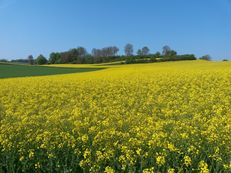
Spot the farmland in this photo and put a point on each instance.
(162, 117)
(15, 70)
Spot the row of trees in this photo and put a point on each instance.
(30, 60)
(109, 54)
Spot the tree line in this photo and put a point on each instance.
(80, 55)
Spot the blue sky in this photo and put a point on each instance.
(43, 26)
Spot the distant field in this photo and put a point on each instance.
(12, 70)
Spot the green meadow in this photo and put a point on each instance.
(15, 70)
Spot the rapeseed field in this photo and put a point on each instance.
(162, 117)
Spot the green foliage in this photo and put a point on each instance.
(108, 54)
(206, 57)
(31, 60)
(145, 51)
(41, 60)
(157, 58)
(3, 60)
(54, 58)
(20, 61)
(139, 52)
(130, 60)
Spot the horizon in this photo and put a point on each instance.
(195, 27)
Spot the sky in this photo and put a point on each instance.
(33, 27)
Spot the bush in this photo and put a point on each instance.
(206, 57)
(3, 60)
(130, 60)
(41, 60)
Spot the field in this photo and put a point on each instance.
(13, 70)
(161, 117)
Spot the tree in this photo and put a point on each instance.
(105, 52)
(128, 49)
(41, 60)
(206, 57)
(166, 50)
(30, 59)
(114, 50)
(145, 51)
(52, 58)
(23, 61)
(157, 55)
(139, 52)
(4, 60)
(109, 51)
(55, 58)
(81, 51)
(172, 53)
(95, 52)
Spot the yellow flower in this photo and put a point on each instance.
(21, 158)
(187, 161)
(87, 153)
(171, 170)
(50, 155)
(108, 169)
(159, 111)
(138, 151)
(203, 167)
(171, 147)
(85, 138)
(37, 165)
(227, 166)
(160, 160)
(31, 154)
(148, 170)
(99, 155)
